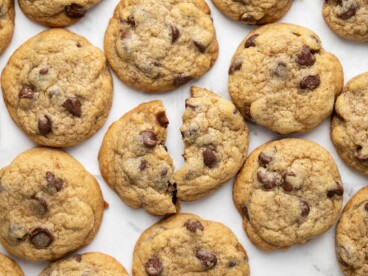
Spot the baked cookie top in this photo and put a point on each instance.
(59, 13)
(288, 192)
(7, 15)
(185, 244)
(9, 267)
(280, 77)
(134, 160)
(158, 45)
(347, 18)
(216, 143)
(254, 11)
(352, 236)
(49, 205)
(93, 263)
(349, 127)
(57, 88)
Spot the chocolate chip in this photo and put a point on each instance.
(202, 48)
(304, 206)
(149, 139)
(206, 257)
(359, 156)
(174, 34)
(75, 11)
(232, 263)
(246, 213)
(44, 71)
(193, 225)
(347, 254)
(191, 106)
(305, 57)
(174, 192)
(181, 80)
(337, 190)
(77, 258)
(209, 158)
(310, 82)
(286, 185)
(73, 105)
(349, 12)
(162, 119)
(41, 238)
(125, 35)
(130, 20)
(45, 125)
(40, 204)
(249, 19)
(143, 165)
(247, 113)
(26, 92)
(267, 179)
(154, 266)
(164, 172)
(251, 41)
(236, 66)
(279, 70)
(264, 159)
(53, 184)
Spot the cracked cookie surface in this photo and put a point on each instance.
(7, 15)
(157, 46)
(185, 244)
(59, 13)
(351, 235)
(57, 88)
(288, 192)
(134, 161)
(347, 18)
(349, 127)
(9, 267)
(49, 205)
(254, 11)
(281, 77)
(216, 144)
(92, 263)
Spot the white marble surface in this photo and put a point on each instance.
(122, 225)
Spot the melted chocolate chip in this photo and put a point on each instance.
(77, 258)
(286, 185)
(174, 192)
(232, 263)
(40, 204)
(304, 206)
(130, 20)
(73, 105)
(174, 34)
(193, 225)
(206, 257)
(349, 12)
(45, 125)
(181, 80)
(337, 190)
(209, 158)
(75, 11)
(251, 41)
(359, 156)
(246, 213)
(54, 184)
(27, 92)
(236, 66)
(305, 57)
(143, 165)
(279, 70)
(202, 48)
(247, 113)
(41, 238)
(249, 19)
(191, 106)
(154, 266)
(268, 180)
(44, 71)
(164, 172)
(264, 159)
(162, 119)
(149, 139)
(310, 82)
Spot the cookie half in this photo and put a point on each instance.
(349, 127)
(281, 77)
(254, 12)
(347, 18)
(216, 141)
(56, 13)
(288, 192)
(134, 160)
(158, 45)
(93, 263)
(49, 205)
(57, 88)
(351, 235)
(186, 244)
(7, 15)
(9, 267)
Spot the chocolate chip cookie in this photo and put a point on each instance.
(349, 127)
(57, 88)
(56, 13)
(347, 18)
(7, 15)
(185, 244)
(288, 192)
(49, 205)
(351, 235)
(254, 12)
(216, 143)
(134, 161)
(9, 267)
(281, 77)
(93, 263)
(158, 45)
